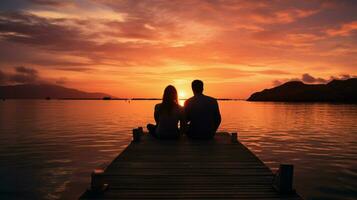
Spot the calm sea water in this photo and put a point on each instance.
(48, 148)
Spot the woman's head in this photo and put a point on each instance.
(170, 99)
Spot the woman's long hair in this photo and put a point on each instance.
(169, 100)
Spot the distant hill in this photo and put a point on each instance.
(42, 91)
(296, 91)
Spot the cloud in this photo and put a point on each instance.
(54, 3)
(277, 83)
(20, 75)
(143, 30)
(75, 69)
(25, 28)
(281, 16)
(28, 75)
(273, 72)
(73, 37)
(212, 11)
(307, 78)
(22, 78)
(26, 70)
(212, 73)
(282, 81)
(346, 76)
(151, 32)
(342, 77)
(29, 29)
(61, 81)
(345, 29)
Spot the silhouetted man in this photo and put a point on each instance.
(202, 113)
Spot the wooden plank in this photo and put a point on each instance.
(186, 169)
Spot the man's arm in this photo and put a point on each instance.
(186, 111)
(183, 123)
(156, 114)
(216, 115)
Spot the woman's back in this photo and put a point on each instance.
(167, 121)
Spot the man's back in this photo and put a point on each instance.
(202, 113)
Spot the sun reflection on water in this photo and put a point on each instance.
(182, 102)
(182, 97)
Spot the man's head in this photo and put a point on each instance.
(197, 87)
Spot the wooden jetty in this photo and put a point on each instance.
(222, 168)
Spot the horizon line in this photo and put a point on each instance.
(130, 99)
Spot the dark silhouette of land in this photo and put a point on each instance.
(297, 91)
(45, 91)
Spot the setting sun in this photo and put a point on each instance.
(182, 95)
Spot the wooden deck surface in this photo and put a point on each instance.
(184, 169)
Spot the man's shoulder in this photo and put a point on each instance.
(157, 106)
(200, 98)
(209, 98)
(189, 100)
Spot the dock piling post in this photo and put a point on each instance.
(140, 129)
(283, 181)
(234, 137)
(137, 134)
(98, 183)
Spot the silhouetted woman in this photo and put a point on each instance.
(167, 115)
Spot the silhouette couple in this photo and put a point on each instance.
(198, 119)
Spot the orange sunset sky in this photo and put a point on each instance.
(135, 48)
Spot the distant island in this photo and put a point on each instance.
(297, 91)
(46, 91)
